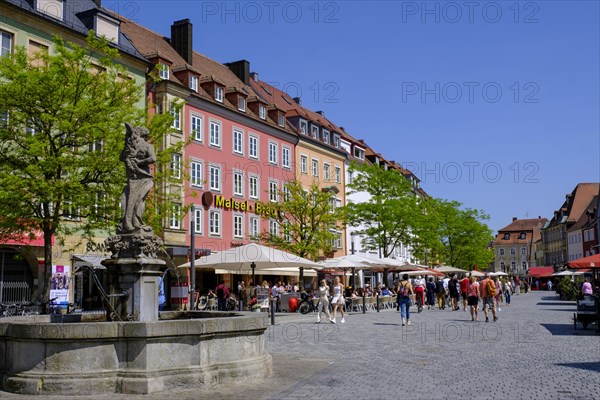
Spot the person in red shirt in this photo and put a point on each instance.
(473, 295)
(464, 286)
(222, 292)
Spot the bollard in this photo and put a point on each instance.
(364, 309)
(377, 302)
(273, 302)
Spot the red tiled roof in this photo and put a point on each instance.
(584, 218)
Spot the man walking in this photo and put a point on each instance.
(464, 286)
(488, 291)
(222, 292)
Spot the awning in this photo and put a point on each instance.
(592, 261)
(93, 261)
(540, 272)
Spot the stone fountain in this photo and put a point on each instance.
(135, 350)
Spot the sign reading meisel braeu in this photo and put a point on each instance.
(245, 205)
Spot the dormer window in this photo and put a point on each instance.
(107, 27)
(336, 141)
(359, 153)
(193, 83)
(522, 235)
(241, 103)
(218, 94)
(52, 8)
(326, 136)
(506, 236)
(163, 71)
(314, 131)
(303, 127)
(281, 119)
(262, 111)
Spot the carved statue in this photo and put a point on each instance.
(137, 155)
(134, 238)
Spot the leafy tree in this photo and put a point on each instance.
(305, 219)
(388, 217)
(454, 236)
(61, 133)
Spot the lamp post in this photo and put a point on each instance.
(193, 259)
(253, 267)
(352, 234)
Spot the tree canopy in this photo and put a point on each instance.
(62, 116)
(305, 221)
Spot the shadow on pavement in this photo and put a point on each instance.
(567, 330)
(589, 366)
(561, 303)
(383, 323)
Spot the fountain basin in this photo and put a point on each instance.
(194, 349)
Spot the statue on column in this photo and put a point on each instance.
(134, 238)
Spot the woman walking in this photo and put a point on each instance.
(323, 301)
(404, 292)
(338, 299)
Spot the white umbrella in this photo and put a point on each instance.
(499, 273)
(446, 269)
(241, 258)
(269, 271)
(476, 273)
(344, 262)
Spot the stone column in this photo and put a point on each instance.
(137, 280)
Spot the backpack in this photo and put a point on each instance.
(220, 292)
(403, 290)
(490, 288)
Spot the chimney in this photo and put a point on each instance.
(98, 3)
(181, 39)
(241, 69)
(342, 129)
(298, 101)
(320, 113)
(514, 219)
(254, 76)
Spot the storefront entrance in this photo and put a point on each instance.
(16, 280)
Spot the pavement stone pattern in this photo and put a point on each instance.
(531, 352)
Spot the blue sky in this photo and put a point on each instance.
(493, 104)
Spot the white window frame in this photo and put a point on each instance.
(303, 164)
(241, 103)
(197, 127)
(254, 190)
(11, 38)
(286, 154)
(238, 141)
(523, 251)
(513, 252)
(326, 134)
(338, 174)
(254, 227)
(262, 111)
(212, 185)
(198, 216)
(238, 231)
(238, 183)
(215, 137)
(273, 227)
(303, 127)
(253, 154)
(281, 119)
(214, 229)
(196, 173)
(164, 71)
(193, 83)
(175, 165)
(314, 131)
(273, 150)
(273, 191)
(175, 216)
(501, 252)
(176, 113)
(314, 167)
(218, 93)
(326, 172)
(336, 141)
(359, 153)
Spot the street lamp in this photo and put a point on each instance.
(192, 261)
(253, 267)
(352, 234)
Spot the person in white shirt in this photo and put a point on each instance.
(323, 301)
(338, 299)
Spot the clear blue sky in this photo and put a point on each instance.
(493, 104)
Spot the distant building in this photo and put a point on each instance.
(581, 237)
(515, 245)
(555, 237)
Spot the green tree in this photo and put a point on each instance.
(61, 133)
(305, 221)
(388, 217)
(454, 236)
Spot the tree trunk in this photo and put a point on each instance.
(47, 266)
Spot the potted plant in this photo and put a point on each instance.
(256, 307)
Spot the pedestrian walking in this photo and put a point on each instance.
(405, 290)
(453, 291)
(431, 288)
(507, 292)
(440, 293)
(488, 292)
(222, 292)
(338, 299)
(473, 295)
(323, 301)
(464, 287)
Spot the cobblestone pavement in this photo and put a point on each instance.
(531, 352)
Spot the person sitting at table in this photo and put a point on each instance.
(385, 291)
(211, 294)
